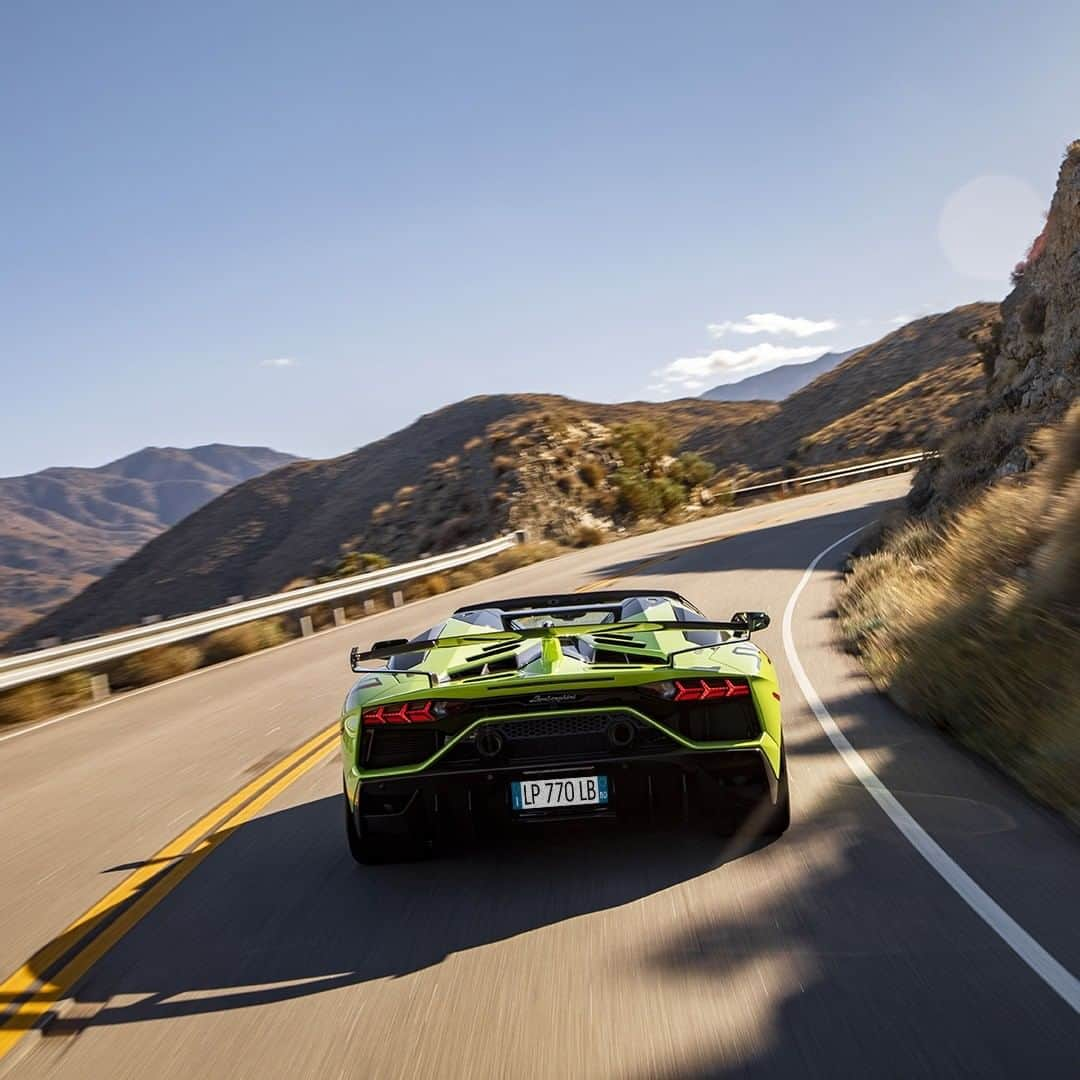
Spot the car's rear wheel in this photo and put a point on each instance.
(371, 850)
(759, 816)
(779, 816)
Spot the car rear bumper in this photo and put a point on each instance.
(671, 785)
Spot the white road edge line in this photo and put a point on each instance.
(1054, 974)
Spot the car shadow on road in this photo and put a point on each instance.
(281, 911)
(788, 546)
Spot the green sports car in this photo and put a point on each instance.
(605, 704)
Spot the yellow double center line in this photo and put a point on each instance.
(30, 993)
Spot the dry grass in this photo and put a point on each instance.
(975, 625)
(36, 701)
(970, 458)
(241, 640)
(154, 665)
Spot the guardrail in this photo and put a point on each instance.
(93, 652)
(903, 462)
(81, 655)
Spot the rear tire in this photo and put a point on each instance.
(369, 850)
(780, 814)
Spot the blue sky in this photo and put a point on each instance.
(303, 225)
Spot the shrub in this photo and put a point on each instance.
(359, 562)
(591, 472)
(692, 470)
(638, 497)
(25, 703)
(970, 457)
(588, 536)
(241, 640)
(642, 446)
(502, 464)
(154, 665)
(522, 555)
(38, 700)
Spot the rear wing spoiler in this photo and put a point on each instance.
(743, 623)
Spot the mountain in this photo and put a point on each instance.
(451, 477)
(897, 394)
(776, 384)
(62, 528)
(554, 467)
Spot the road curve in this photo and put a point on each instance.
(839, 950)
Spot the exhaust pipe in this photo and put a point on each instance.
(489, 742)
(620, 734)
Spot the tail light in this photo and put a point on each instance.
(403, 712)
(710, 689)
(717, 689)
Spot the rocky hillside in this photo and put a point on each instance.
(63, 528)
(966, 609)
(469, 471)
(562, 470)
(777, 384)
(1031, 357)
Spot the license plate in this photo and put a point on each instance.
(551, 792)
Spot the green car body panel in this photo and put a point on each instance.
(586, 646)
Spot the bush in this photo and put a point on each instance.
(434, 584)
(591, 473)
(638, 496)
(241, 640)
(692, 470)
(588, 536)
(38, 700)
(502, 464)
(154, 665)
(970, 458)
(357, 562)
(642, 446)
(25, 703)
(521, 555)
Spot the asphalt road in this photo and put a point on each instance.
(838, 950)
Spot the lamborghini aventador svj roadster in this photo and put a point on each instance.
(606, 704)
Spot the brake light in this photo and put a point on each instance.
(709, 689)
(404, 712)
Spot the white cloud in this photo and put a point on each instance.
(727, 365)
(771, 323)
(279, 362)
(899, 320)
